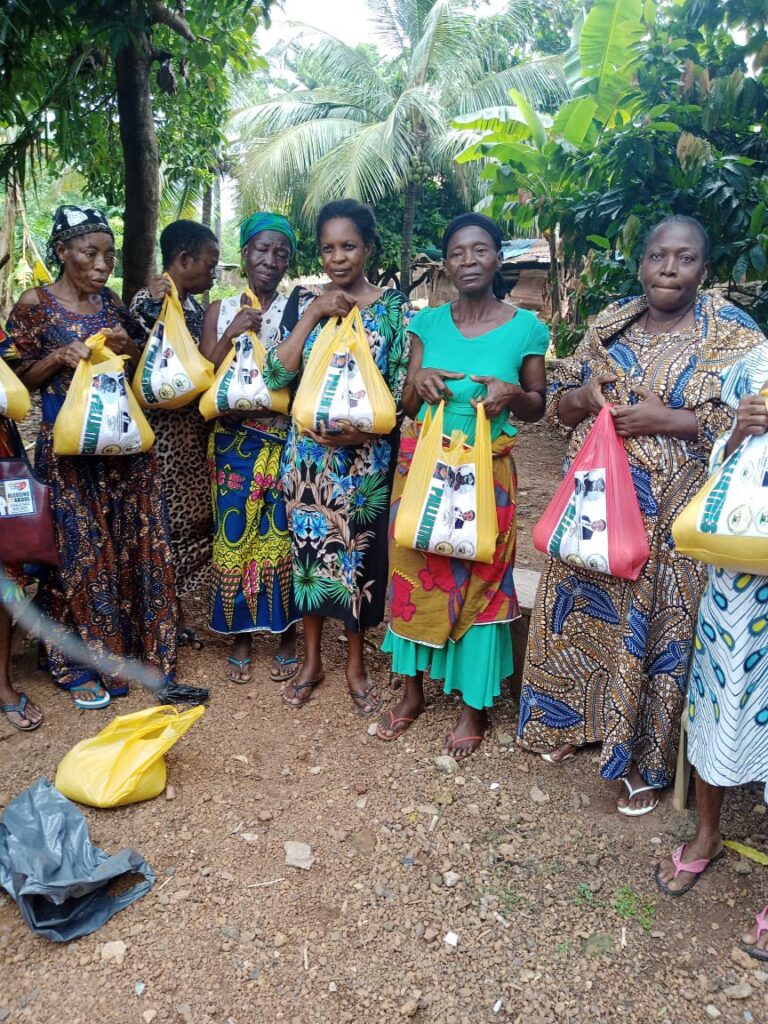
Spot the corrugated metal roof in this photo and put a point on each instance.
(514, 250)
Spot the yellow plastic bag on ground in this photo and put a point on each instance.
(448, 504)
(342, 382)
(15, 402)
(124, 763)
(239, 383)
(726, 524)
(171, 370)
(100, 415)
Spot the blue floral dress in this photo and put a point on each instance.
(338, 498)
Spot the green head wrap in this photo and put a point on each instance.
(259, 222)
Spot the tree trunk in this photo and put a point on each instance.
(217, 206)
(554, 276)
(7, 247)
(139, 142)
(409, 216)
(207, 206)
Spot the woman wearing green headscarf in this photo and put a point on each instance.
(252, 588)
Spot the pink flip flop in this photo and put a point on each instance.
(762, 926)
(694, 867)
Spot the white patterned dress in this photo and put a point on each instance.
(728, 690)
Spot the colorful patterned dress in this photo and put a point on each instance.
(115, 588)
(607, 658)
(252, 586)
(449, 615)
(728, 687)
(181, 445)
(338, 498)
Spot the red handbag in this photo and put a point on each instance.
(27, 533)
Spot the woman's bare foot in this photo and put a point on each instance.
(365, 693)
(239, 662)
(299, 690)
(640, 800)
(701, 847)
(468, 734)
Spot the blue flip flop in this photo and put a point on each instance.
(91, 705)
(19, 710)
(280, 660)
(241, 663)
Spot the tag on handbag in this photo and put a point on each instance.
(16, 498)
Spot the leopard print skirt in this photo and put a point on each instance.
(181, 443)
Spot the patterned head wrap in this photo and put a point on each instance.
(259, 222)
(72, 222)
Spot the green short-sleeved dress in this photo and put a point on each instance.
(475, 664)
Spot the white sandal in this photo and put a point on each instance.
(638, 812)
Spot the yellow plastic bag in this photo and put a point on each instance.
(124, 763)
(239, 383)
(100, 415)
(726, 523)
(342, 382)
(15, 401)
(448, 505)
(171, 371)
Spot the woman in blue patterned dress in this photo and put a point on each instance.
(728, 689)
(338, 485)
(607, 658)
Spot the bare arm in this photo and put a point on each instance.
(214, 348)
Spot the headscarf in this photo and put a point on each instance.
(265, 221)
(71, 222)
(478, 220)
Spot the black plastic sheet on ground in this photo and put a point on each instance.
(60, 881)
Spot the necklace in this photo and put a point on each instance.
(667, 330)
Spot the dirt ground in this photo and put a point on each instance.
(549, 892)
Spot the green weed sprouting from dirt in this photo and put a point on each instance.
(584, 896)
(630, 906)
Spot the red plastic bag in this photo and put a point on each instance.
(594, 520)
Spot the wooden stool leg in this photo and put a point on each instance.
(683, 773)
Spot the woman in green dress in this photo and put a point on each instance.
(448, 615)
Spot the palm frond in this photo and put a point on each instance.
(541, 81)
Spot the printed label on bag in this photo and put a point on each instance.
(16, 498)
(163, 376)
(3, 399)
(343, 395)
(243, 386)
(109, 428)
(581, 537)
(738, 503)
(448, 520)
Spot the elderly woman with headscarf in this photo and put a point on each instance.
(115, 587)
(252, 588)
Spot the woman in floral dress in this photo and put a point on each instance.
(337, 485)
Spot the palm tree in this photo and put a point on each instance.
(366, 124)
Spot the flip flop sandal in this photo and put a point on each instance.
(280, 660)
(393, 722)
(559, 760)
(694, 867)
(310, 685)
(118, 691)
(241, 663)
(189, 638)
(638, 812)
(762, 926)
(358, 698)
(9, 709)
(91, 705)
(457, 744)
